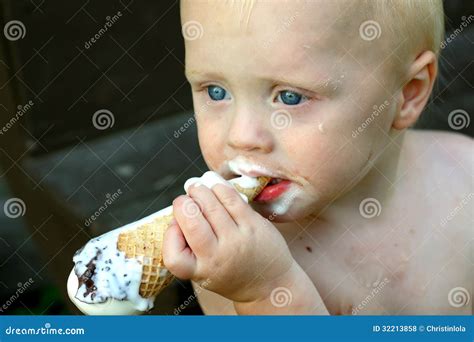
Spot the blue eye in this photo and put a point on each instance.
(217, 93)
(290, 98)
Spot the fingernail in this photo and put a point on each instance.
(197, 184)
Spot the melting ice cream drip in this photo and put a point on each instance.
(104, 272)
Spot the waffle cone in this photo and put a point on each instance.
(251, 193)
(145, 244)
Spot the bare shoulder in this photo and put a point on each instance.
(445, 164)
(455, 145)
(443, 155)
(440, 167)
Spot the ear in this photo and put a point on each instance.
(416, 91)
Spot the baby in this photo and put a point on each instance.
(362, 216)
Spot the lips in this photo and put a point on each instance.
(240, 166)
(275, 188)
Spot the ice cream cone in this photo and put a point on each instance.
(145, 245)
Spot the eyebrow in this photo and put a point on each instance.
(189, 73)
(321, 85)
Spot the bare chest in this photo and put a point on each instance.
(405, 267)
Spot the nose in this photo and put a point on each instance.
(248, 131)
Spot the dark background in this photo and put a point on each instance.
(62, 167)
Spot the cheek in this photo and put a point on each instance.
(211, 141)
(334, 170)
(325, 159)
(306, 149)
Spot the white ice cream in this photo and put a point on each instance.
(279, 206)
(241, 166)
(109, 307)
(210, 178)
(115, 280)
(114, 276)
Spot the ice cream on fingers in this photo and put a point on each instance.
(122, 271)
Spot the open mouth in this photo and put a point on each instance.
(274, 181)
(274, 189)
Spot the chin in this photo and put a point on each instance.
(295, 212)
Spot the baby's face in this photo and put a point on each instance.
(285, 96)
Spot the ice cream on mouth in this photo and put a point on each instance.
(110, 277)
(278, 196)
(273, 190)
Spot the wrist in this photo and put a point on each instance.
(291, 293)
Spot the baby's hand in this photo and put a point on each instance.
(219, 241)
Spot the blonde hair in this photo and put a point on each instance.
(422, 21)
(245, 8)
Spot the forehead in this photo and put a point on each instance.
(273, 33)
(261, 20)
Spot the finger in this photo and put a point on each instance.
(177, 256)
(197, 231)
(213, 210)
(232, 202)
